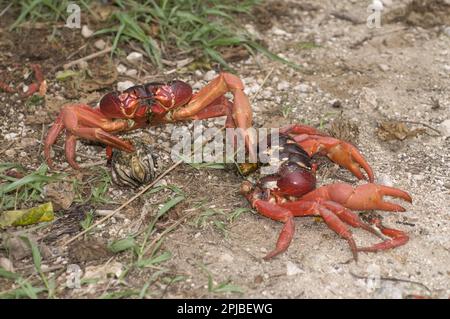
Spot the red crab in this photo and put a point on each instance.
(147, 105)
(40, 85)
(292, 192)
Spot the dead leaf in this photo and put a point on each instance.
(18, 248)
(104, 271)
(89, 250)
(396, 130)
(61, 194)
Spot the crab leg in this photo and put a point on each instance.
(83, 121)
(204, 105)
(363, 197)
(397, 238)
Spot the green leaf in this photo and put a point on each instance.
(37, 258)
(154, 260)
(8, 274)
(122, 245)
(167, 206)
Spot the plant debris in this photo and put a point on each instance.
(397, 130)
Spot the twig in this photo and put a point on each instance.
(424, 124)
(6, 9)
(347, 17)
(86, 58)
(262, 85)
(41, 140)
(146, 188)
(395, 280)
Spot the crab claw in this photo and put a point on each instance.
(364, 197)
(340, 152)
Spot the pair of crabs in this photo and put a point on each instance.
(288, 193)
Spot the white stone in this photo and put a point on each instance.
(131, 72)
(86, 32)
(283, 86)
(210, 75)
(377, 5)
(121, 69)
(277, 31)
(383, 67)
(303, 88)
(10, 136)
(134, 57)
(447, 31)
(292, 269)
(100, 44)
(121, 86)
(445, 128)
(227, 258)
(6, 264)
(385, 180)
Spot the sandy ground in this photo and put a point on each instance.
(398, 72)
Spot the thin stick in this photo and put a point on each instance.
(262, 85)
(394, 279)
(146, 188)
(6, 9)
(86, 58)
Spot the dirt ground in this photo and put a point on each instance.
(349, 74)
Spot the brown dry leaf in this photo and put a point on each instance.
(234, 54)
(103, 272)
(92, 249)
(396, 130)
(18, 248)
(61, 194)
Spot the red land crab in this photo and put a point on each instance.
(40, 85)
(147, 105)
(292, 191)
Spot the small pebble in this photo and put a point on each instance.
(283, 86)
(210, 75)
(122, 86)
(134, 57)
(292, 269)
(447, 31)
(86, 32)
(303, 88)
(100, 44)
(131, 72)
(445, 128)
(121, 69)
(383, 67)
(6, 264)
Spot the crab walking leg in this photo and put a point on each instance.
(241, 112)
(336, 224)
(52, 135)
(334, 215)
(71, 118)
(364, 197)
(275, 212)
(397, 238)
